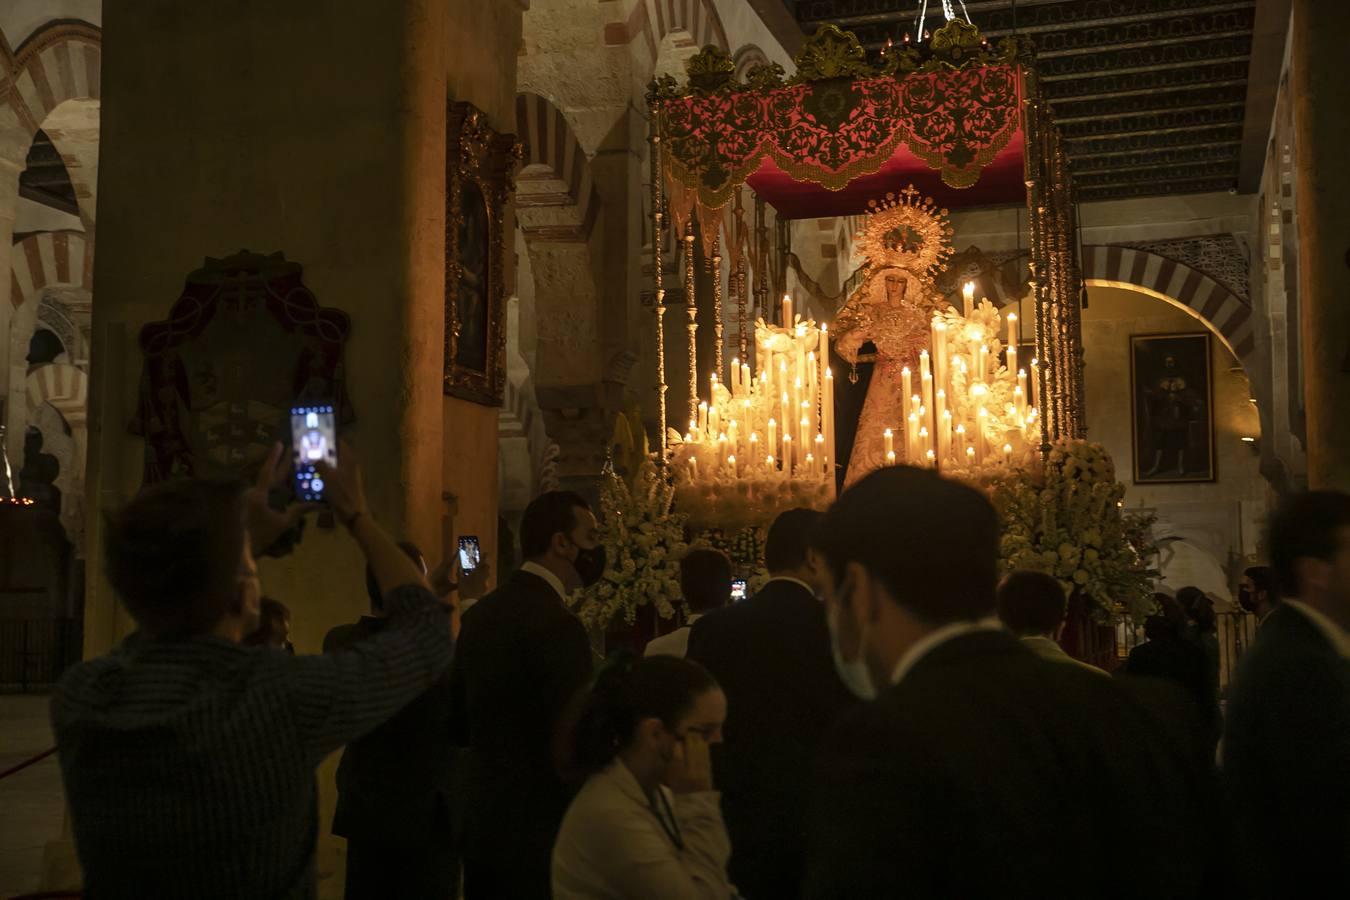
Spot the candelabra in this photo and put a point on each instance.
(763, 441)
(971, 411)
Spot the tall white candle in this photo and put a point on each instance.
(745, 379)
(913, 452)
(827, 409)
(887, 440)
(967, 298)
(703, 417)
(905, 383)
(773, 435)
(981, 421)
(787, 311)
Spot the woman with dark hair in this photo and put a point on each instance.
(647, 822)
(274, 626)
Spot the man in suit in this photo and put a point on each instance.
(522, 657)
(705, 582)
(1286, 752)
(771, 655)
(980, 769)
(394, 784)
(1033, 606)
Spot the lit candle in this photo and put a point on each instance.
(731, 464)
(945, 435)
(693, 468)
(890, 458)
(787, 311)
(982, 368)
(786, 418)
(940, 417)
(981, 450)
(925, 440)
(970, 456)
(940, 373)
(820, 452)
(961, 447)
(827, 411)
(968, 298)
(912, 449)
(1007, 454)
(931, 458)
(735, 376)
(797, 402)
(773, 435)
(733, 436)
(905, 382)
(810, 464)
(703, 417)
(745, 381)
(1012, 330)
(787, 452)
(769, 461)
(888, 440)
(812, 389)
(1012, 356)
(1022, 386)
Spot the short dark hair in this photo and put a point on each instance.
(548, 514)
(932, 542)
(1263, 578)
(1305, 525)
(173, 554)
(628, 689)
(705, 579)
(373, 586)
(790, 536)
(1031, 603)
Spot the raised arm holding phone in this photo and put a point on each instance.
(181, 731)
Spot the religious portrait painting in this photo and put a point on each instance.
(480, 178)
(1172, 408)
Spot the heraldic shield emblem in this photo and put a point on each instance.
(244, 341)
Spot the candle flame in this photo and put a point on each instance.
(968, 289)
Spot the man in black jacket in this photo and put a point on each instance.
(981, 769)
(771, 655)
(522, 657)
(395, 784)
(1286, 751)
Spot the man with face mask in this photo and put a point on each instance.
(522, 658)
(1258, 592)
(980, 769)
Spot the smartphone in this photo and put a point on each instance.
(469, 553)
(737, 590)
(313, 440)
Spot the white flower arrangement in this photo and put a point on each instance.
(644, 543)
(1063, 517)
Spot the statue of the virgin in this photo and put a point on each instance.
(905, 243)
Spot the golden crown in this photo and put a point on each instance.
(906, 232)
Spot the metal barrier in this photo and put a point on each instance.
(1236, 633)
(34, 652)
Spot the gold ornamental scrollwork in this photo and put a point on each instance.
(479, 181)
(831, 53)
(711, 70)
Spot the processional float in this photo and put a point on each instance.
(955, 122)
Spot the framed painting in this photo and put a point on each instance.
(1172, 409)
(479, 182)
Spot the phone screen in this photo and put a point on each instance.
(313, 439)
(469, 553)
(737, 590)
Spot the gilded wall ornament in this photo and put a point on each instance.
(479, 182)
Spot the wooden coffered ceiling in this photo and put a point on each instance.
(1152, 96)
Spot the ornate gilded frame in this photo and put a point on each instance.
(479, 162)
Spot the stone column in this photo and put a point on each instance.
(318, 130)
(1322, 135)
(13, 147)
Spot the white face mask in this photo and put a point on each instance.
(853, 672)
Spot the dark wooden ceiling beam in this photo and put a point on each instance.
(1148, 160)
(1267, 61)
(1138, 106)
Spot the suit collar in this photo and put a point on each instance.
(543, 574)
(951, 640)
(788, 579)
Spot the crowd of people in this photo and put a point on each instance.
(885, 717)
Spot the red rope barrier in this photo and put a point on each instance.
(27, 762)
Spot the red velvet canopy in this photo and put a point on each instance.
(824, 148)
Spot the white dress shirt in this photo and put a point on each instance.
(612, 845)
(553, 580)
(674, 644)
(935, 639)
